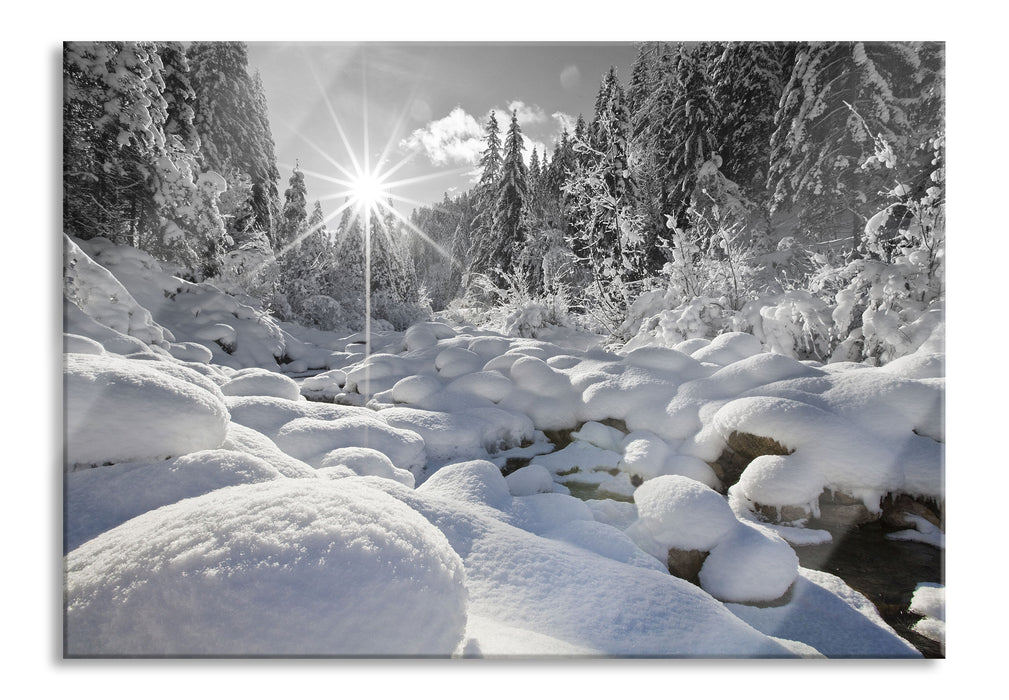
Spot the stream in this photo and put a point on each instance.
(883, 570)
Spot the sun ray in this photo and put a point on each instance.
(336, 119)
(339, 166)
(416, 229)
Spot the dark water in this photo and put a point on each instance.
(884, 571)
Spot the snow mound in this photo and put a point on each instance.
(262, 382)
(120, 410)
(474, 482)
(750, 564)
(100, 499)
(290, 567)
(680, 513)
(310, 439)
(529, 480)
(745, 562)
(365, 461)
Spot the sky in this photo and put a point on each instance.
(419, 110)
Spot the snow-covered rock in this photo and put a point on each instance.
(121, 410)
(289, 567)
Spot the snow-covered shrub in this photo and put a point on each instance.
(795, 323)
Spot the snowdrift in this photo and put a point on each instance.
(457, 491)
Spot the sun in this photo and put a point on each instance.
(368, 190)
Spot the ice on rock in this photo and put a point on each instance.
(829, 451)
(545, 412)
(579, 455)
(777, 480)
(529, 480)
(288, 567)
(426, 335)
(365, 461)
(122, 410)
(100, 499)
(324, 386)
(379, 372)
(262, 382)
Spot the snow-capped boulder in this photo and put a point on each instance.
(122, 410)
(290, 567)
(262, 382)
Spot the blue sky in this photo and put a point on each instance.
(422, 106)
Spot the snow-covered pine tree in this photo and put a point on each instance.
(478, 251)
(113, 135)
(607, 234)
(294, 216)
(748, 79)
(840, 96)
(509, 224)
(231, 120)
(266, 200)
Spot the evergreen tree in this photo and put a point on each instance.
(113, 136)
(839, 98)
(748, 79)
(295, 214)
(478, 250)
(230, 116)
(509, 215)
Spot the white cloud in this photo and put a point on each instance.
(564, 121)
(454, 139)
(527, 114)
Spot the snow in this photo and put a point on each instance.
(227, 513)
(929, 601)
(110, 403)
(261, 382)
(529, 480)
(681, 513)
(285, 567)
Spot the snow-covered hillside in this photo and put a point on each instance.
(237, 487)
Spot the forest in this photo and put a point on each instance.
(794, 191)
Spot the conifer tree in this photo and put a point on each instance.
(509, 215)
(839, 98)
(294, 216)
(230, 117)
